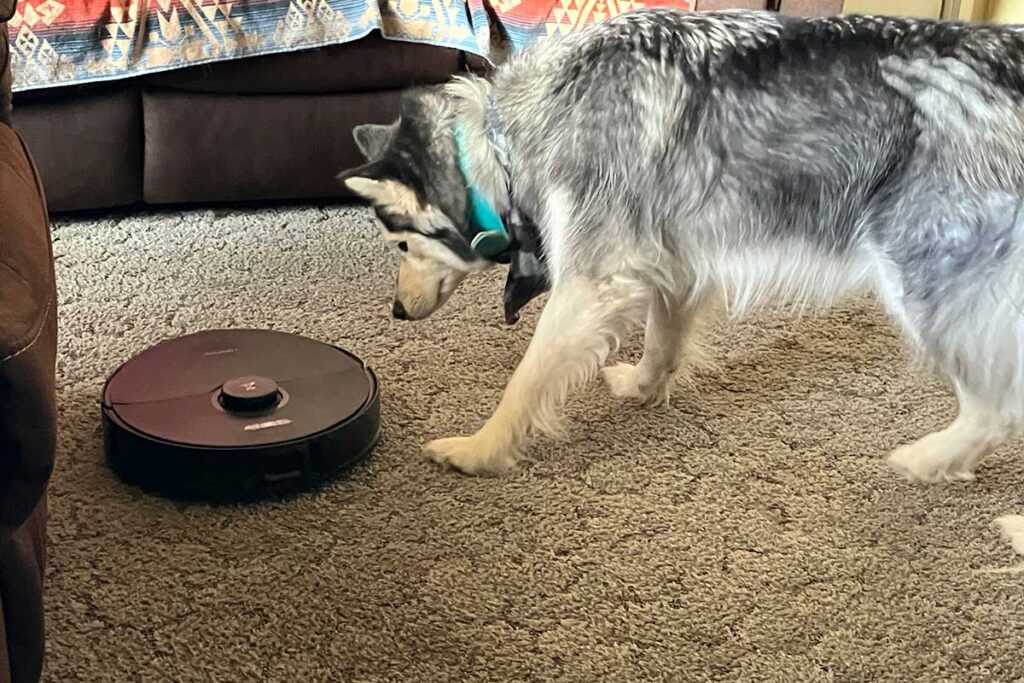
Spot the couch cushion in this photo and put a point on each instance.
(211, 148)
(25, 267)
(27, 338)
(88, 145)
(371, 63)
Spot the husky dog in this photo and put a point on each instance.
(656, 161)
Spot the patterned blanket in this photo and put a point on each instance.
(69, 42)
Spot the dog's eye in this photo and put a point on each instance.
(403, 246)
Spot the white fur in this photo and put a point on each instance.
(791, 274)
(1012, 528)
(580, 326)
(573, 339)
(667, 341)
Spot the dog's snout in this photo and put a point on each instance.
(398, 310)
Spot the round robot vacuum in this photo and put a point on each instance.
(229, 415)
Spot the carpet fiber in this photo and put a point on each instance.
(751, 531)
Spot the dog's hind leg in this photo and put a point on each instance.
(981, 355)
(669, 328)
(578, 328)
(964, 313)
(952, 275)
(953, 453)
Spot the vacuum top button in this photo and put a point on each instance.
(248, 394)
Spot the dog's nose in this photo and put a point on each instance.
(398, 310)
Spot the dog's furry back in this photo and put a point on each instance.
(791, 157)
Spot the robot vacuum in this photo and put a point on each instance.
(234, 415)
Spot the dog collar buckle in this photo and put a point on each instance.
(490, 243)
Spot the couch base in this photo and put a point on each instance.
(22, 563)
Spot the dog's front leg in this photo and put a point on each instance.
(578, 328)
(669, 327)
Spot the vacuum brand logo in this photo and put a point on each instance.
(270, 424)
(219, 352)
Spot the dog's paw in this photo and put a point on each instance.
(926, 461)
(624, 382)
(470, 455)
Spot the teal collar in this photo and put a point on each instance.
(492, 237)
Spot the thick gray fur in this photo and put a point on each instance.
(666, 156)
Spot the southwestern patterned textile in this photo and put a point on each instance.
(56, 42)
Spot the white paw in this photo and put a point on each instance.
(470, 454)
(927, 461)
(624, 382)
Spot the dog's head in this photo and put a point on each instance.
(412, 179)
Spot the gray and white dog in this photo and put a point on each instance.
(669, 158)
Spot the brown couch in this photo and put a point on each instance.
(275, 127)
(28, 327)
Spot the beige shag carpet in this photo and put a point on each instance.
(749, 532)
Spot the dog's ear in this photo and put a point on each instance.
(361, 179)
(373, 183)
(373, 139)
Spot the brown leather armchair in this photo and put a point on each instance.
(28, 331)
